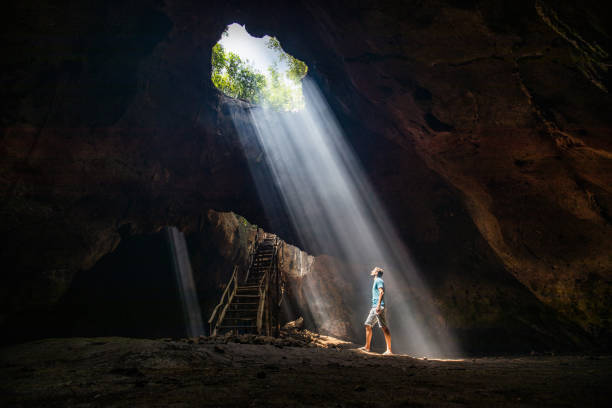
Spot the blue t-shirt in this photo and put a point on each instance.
(378, 283)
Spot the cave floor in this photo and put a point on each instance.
(122, 372)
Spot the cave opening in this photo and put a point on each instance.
(257, 70)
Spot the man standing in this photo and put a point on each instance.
(377, 312)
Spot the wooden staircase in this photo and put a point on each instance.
(245, 306)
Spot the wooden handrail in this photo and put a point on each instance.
(252, 256)
(262, 302)
(223, 296)
(270, 294)
(266, 299)
(274, 307)
(233, 280)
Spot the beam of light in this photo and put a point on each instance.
(186, 286)
(311, 172)
(334, 210)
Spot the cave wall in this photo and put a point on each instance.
(513, 122)
(130, 292)
(97, 141)
(224, 240)
(484, 127)
(501, 110)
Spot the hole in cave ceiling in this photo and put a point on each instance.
(257, 70)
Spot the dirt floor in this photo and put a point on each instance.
(123, 372)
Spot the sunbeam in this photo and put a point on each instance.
(184, 279)
(334, 210)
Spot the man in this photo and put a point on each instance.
(377, 312)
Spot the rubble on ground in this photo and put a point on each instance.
(291, 335)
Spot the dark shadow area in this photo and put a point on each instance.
(130, 292)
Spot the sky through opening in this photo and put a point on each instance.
(257, 70)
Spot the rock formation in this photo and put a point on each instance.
(484, 127)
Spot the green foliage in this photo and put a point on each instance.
(238, 79)
(296, 69)
(279, 95)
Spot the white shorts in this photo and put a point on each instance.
(373, 318)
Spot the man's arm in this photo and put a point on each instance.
(381, 293)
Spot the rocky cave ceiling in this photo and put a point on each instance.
(483, 125)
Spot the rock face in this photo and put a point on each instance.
(312, 285)
(484, 127)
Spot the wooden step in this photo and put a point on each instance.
(241, 311)
(251, 307)
(245, 307)
(245, 299)
(241, 314)
(248, 292)
(254, 295)
(237, 327)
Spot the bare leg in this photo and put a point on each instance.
(368, 337)
(387, 334)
